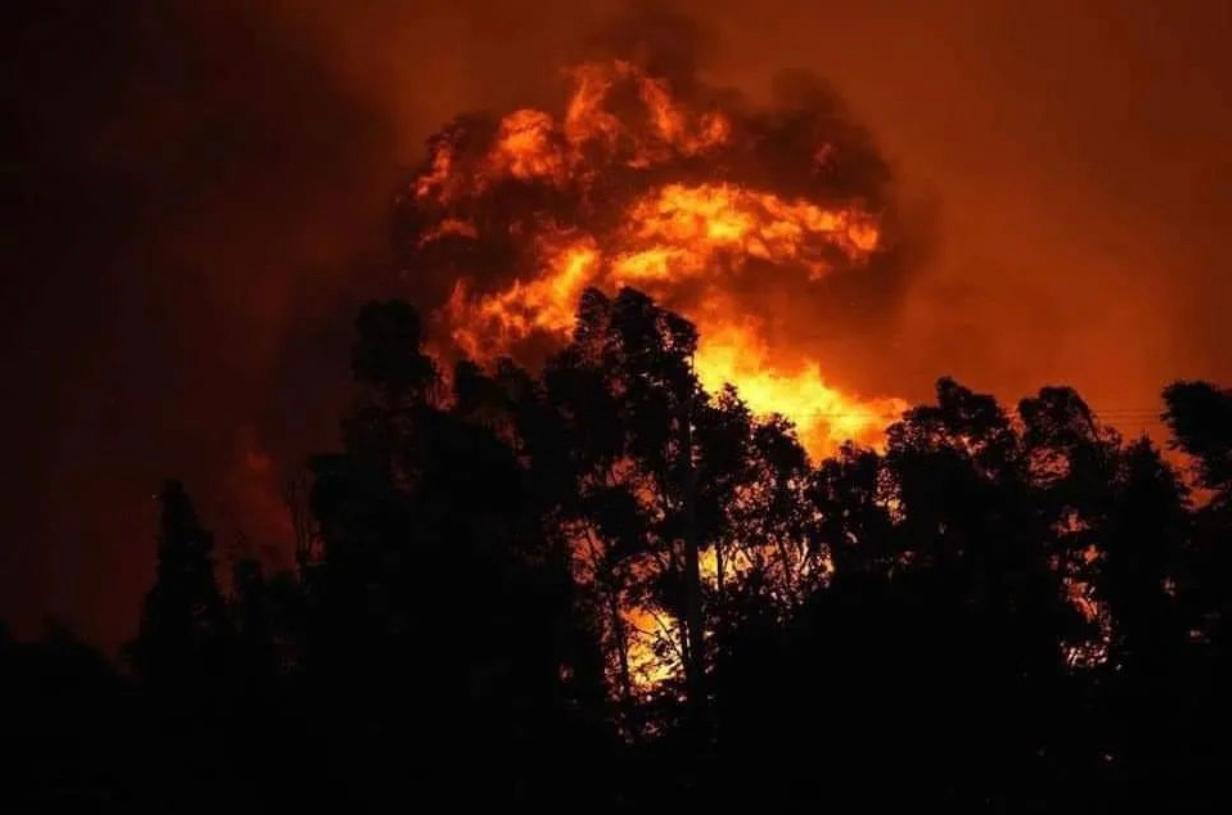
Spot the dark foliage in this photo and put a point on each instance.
(1000, 611)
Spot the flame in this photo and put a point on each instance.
(434, 180)
(486, 327)
(688, 228)
(824, 417)
(610, 213)
(696, 203)
(694, 233)
(648, 669)
(524, 147)
(449, 226)
(587, 119)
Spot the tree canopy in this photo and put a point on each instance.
(598, 583)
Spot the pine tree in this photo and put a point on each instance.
(184, 627)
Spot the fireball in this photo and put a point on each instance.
(631, 185)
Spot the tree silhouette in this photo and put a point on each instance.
(184, 632)
(1200, 417)
(656, 466)
(599, 582)
(440, 603)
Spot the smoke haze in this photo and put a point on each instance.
(200, 195)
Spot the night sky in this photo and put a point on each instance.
(198, 198)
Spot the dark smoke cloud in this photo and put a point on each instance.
(660, 38)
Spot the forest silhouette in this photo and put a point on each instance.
(1005, 610)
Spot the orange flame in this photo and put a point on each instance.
(687, 227)
(588, 120)
(824, 417)
(524, 148)
(486, 327)
(687, 243)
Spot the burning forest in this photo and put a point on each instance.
(683, 192)
(607, 514)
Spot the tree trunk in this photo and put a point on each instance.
(695, 670)
(622, 649)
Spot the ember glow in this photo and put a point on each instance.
(676, 195)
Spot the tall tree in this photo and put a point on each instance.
(633, 364)
(184, 629)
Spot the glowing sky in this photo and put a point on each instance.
(201, 198)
